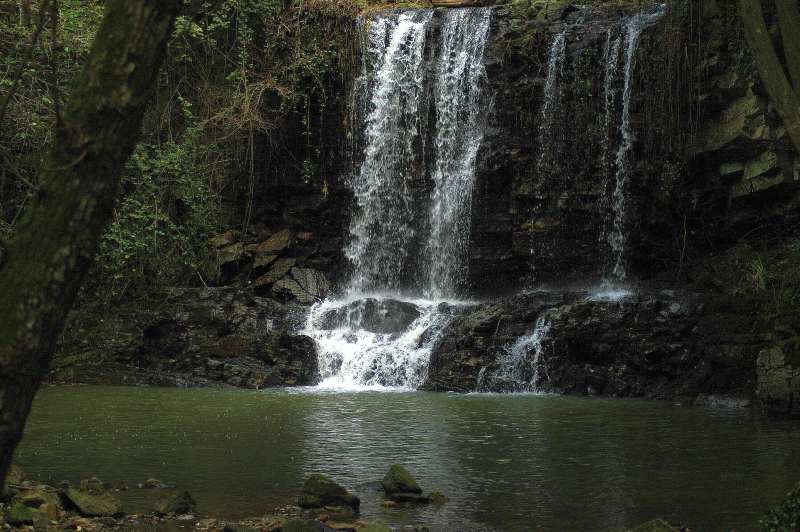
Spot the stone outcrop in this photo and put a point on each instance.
(658, 344)
(189, 337)
(92, 499)
(319, 491)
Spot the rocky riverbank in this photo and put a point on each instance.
(323, 505)
(657, 343)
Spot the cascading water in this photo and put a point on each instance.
(555, 71)
(618, 235)
(382, 230)
(520, 367)
(459, 80)
(381, 333)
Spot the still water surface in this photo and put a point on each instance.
(513, 462)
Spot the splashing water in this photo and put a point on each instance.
(358, 349)
(520, 367)
(379, 341)
(460, 76)
(382, 229)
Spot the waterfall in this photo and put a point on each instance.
(520, 367)
(460, 78)
(618, 235)
(377, 333)
(382, 230)
(555, 71)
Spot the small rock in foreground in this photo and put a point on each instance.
(177, 503)
(319, 491)
(399, 480)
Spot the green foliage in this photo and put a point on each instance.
(784, 517)
(26, 130)
(161, 226)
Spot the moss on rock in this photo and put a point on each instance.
(399, 480)
(320, 490)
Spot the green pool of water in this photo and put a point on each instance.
(506, 462)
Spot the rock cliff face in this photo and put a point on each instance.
(711, 161)
(189, 337)
(657, 344)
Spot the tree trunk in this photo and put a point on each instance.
(789, 21)
(57, 239)
(769, 67)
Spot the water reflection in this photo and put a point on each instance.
(518, 462)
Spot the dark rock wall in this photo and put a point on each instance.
(658, 344)
(189, 337)
(711, 161)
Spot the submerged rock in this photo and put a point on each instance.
(319, 490)
(92, 499)
(153, 483)
(380, 316)
(176, 504)
(399, 480)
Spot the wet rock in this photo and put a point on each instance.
(91, 500)
(288, 289)
(438, 498)
(276, 243)
(779, 379)
(650, 344)
(153, 483)
(399, 480)
(189, 337)
(279, 269)
(313, 282)
(262, 261)
(37, 497)
(177, 503)
(320, 491)
(381, 316)
(16, 475)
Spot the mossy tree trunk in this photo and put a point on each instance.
(789, 22)
(49, 256)
(783, 95)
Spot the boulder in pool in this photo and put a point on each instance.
(380, 316)
(177, 503)
(399, 480)
(319, 490)
(91, 500)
